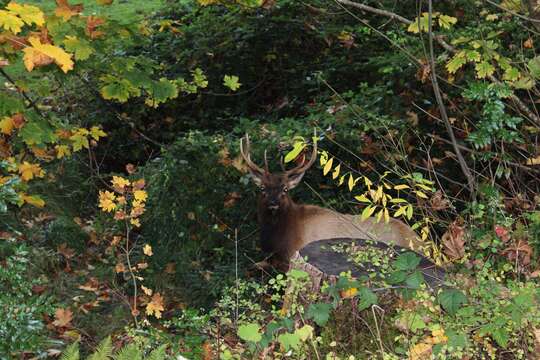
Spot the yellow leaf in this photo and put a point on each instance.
(97, 133)
(135, 222)
(379, 215)
(534, 161)
(421, 194)
(409, 211)
(119, 183)
(401, 187)
(328, 166)
(351, 182)
(367, 182)
(324, 158)
(106, 201)
(147, 250)
(33, 200)
(386, 215)
(155, 307)
(400, 211)
(62, 150)
(420, 351)
(10, 22)
(335, 174)
(28, 13)
(362, 198)
(367, 212)
(29, 171)
(378, 193)
(140, 195)
(39, 54)
(348, 293)
(7, 125)
(341, 179)
(422, 186)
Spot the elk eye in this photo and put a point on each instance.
(262, 188)
(285, 189)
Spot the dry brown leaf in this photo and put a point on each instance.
(438, 201)
(528, 44)
(155, 307)
(66, 11)
(62, 317)
(520, 253)
(66, 252)
(92, 25)
(454, 242)
(91, 285)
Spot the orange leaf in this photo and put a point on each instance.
(92, 23)
(454, 241)
(155, 307)
(63, 317)
(66, 11)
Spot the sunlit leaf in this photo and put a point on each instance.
(367, 212)
(446, 21)
(328, 166)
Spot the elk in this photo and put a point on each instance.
(286, 227)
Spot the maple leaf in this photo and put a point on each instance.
(155, 306)
(11, 22)
(29, 171)
(62, 150)
(92, 23)
(39, 54)
(135, 222)
(28, 13)
(6, 125)
(63, 317)
(231, 81)
(147, 250)
(66, 11)
(106, 201)
(81, 48)
(484, 69)
(97, 133)
(139, 184)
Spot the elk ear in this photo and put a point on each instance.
(294, 179)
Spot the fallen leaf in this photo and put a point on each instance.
(66, 11)
(91, 285)
(454, 242)
(528, 44)
(520, 252)
(146, 290)
(502, 233)
(438, 201)
(92, 25)
(63, 317)
(65, 251)
(147, 250)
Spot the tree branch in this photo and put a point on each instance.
(441, 41)
(462, 163)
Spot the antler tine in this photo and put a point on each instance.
(303, 167)
(244, 151)
(266, 163)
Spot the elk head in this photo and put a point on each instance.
(274, 188)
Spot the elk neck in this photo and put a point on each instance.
(278, 228)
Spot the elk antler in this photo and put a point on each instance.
(244, 150)
(303, 167)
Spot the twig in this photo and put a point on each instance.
(31, 103)
(462, 163)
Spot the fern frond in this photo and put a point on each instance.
(130, 352)
(158, 354)
(103, 351)
(71, 352)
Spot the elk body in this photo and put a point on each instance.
(286, 226)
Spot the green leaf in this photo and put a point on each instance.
(120, 90)
(129, 352)
(456, 340)
(289, 341)
(160, 91)
(368, 211)
(455, 63)
(472, 55)
(10, 105)
(103, 351)
(319, 312)
(451, 300)
(407, 261)
(411, 321)
(297, 274)
(511, 74)
(524, 83)
(367, 298)
(446, 21)
(37, 132)
(305, 332)
(250, 332)
(534, 67)
(81, 48)
(419, 24)
(415, 279)
(71, 352)
(231, 81)
(298, 147)
(484, 69)
(396, 277)
(158, 354)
